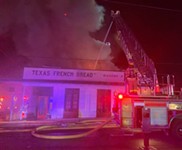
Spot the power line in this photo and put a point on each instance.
(145, 6)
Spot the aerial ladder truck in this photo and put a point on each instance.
(144, 104)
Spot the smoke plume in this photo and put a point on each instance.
(54, 31)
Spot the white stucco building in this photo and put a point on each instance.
(51, 93)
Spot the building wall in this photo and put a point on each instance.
(87, 97)
(59, 93)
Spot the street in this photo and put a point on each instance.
(104, 139)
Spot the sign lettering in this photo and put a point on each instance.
(72, 75)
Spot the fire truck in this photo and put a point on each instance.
(145, 104)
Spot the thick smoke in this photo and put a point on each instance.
(53, 31)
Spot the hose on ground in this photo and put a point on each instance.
(36, 132)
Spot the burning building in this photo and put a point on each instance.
(51, 66)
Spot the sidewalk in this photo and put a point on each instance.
(86, 122)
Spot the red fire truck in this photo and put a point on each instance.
(145, 104)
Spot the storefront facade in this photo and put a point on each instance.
(48, 93)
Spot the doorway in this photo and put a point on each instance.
(103, 103)
(138, 116)
(41, 96)
(71, 106)
(42, 107)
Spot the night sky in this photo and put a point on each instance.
(157, 25)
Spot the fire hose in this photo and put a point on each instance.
(36, 132)
(84, 124)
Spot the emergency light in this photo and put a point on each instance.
(120, 96)
(25, 98)
(1, 99)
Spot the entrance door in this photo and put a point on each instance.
(103, 103)
(71, 103)
(42, 107)
(138, 116)
(40, 101)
